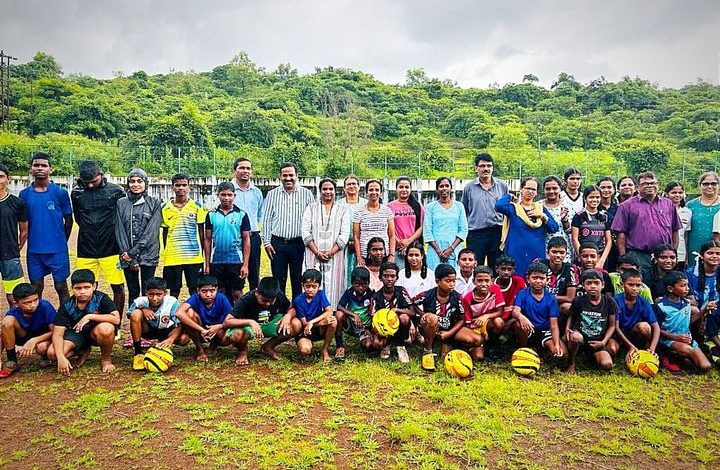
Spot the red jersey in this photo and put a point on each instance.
(475, 307)
(517, 284)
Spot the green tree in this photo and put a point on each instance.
(641, 155)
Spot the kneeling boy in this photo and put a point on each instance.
(444, 316)
(536, 313)
(592, 322)
(203, 314)
(354, 313)
(152, 316)
(26, 328)
(635, 324)
(316, 315)
(263, 313)
(89, 317)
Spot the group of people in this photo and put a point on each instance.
(599, 268)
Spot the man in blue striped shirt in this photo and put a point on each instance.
(282, 228)
(249, 198)
(227, 243)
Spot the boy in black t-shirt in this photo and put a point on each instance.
(87, 318)
(562, 276)
(263, 313)
(354, 313)
(443, 315)
(592, 322)
(395, 298)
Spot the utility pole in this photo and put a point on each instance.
(5, 90)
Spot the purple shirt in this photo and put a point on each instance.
(646, 224)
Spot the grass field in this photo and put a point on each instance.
(365, 413)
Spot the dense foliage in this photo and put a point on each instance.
(336, 120)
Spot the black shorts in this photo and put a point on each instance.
(353, 330)
(538, 338)
(82, 339)
(21, 340)
(228, 276)
(315, 334)
(160, 334)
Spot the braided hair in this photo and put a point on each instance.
(413, 203)
(700, 266)
(423, 267)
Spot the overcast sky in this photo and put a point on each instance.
(476, 43)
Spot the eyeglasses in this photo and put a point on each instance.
(709, 183)
(648, 183)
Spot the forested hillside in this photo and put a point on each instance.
(335, 120)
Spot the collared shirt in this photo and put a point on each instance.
(480, 204)
(227, 234)
(183, 237)
(251, 201)
(646, 224)
(283, 211)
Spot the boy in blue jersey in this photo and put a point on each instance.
(675, 313)
(203, 314)
(152, 316)
(88, 318)
(26, 328)
(50, 223)
(315, 314)
(591, 323)
(536, 313)
(354, 313)
(636, 324)
(227, 243)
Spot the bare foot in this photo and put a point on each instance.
(106, 367)
(326, 356)
(201, 356)
(242, 358)
(571, 369)
(82, 357)
(270, 351)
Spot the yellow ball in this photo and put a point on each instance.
(386, 322)
(458, 363)
(525, 362)
(642, 363)
(158, 359)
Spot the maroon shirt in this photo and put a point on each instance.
(646, 224)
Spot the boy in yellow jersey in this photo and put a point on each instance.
(183, 236)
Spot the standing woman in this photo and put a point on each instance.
(608, 206)
(373, 219)
(703, 208)
(558, 210)
(408, 219)
(526, 224)
(676, 193)
(626, 188)
(572, 194)
(325, 232)
(445, 227)
(352, 199)
(137, 230)
(591, 225)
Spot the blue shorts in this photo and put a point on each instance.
(41, 264)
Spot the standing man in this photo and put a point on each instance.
(484, 222)
(183, 222)
(249, 198)
(645, 222)
(94, 202)
(282, 228)
(13, 233)
(50, 223)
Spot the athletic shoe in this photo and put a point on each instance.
(428, 360)
(10, 368)
(385, 353)
(403, 355)
(669, 365)
(139, 362)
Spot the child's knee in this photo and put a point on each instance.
(576, 338)
(430, 320)
(103, 331)
(42, 348)
(498, 324)
(239, 338)
(136, 315)
(9, 322)
(304, 346)
(183, 340)
(643, 330)
(295, 326)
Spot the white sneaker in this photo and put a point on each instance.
(403, 355)
(385, 353)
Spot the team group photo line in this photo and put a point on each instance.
(563, 268)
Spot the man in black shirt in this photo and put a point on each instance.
(264, 312)
(94, 202)
(13, 234)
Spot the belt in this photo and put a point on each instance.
(487, 229)
(287, 240)
(255, 233)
